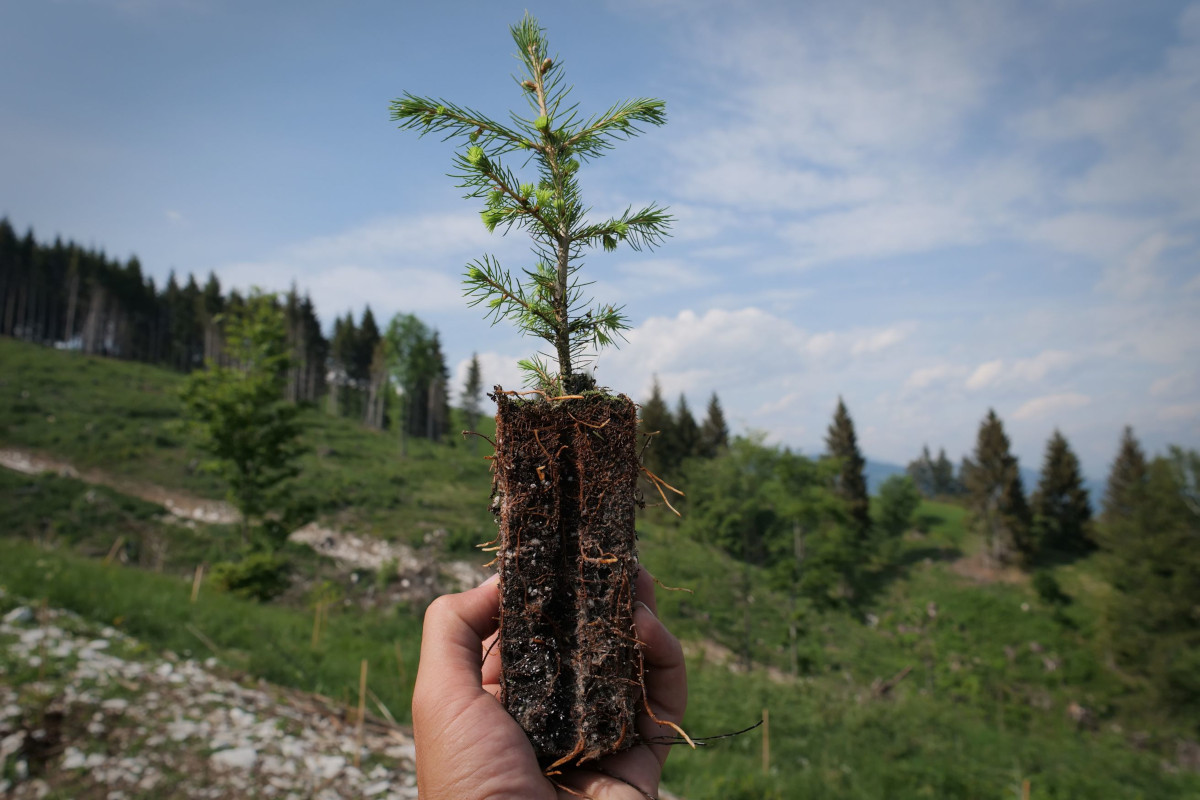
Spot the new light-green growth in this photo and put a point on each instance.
(548, 299)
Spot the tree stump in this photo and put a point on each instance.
(566, 476)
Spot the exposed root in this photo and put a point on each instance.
(565, 788)
(465, 434)
(579, 745)
(659, 483)
(589, 424)
(543, 394)
(701, 741)
(666, 722)
(672, 588)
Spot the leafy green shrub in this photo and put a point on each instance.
(259, 576)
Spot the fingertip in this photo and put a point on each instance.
(644, 590)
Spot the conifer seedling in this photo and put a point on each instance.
(566, 464)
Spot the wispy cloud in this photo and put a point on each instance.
(1050, 405)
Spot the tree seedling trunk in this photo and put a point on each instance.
(566, 462)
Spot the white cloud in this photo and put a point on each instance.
(985, 374)
(1136, 276)
(924, 377)
(874, 342)
(1180, 412)
(495, 369)
(1027, 370)
(1049, 405)
(1179, 384)
(393, 264)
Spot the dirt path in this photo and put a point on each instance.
(419, 574)
(178, 502)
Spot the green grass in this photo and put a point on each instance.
(124, 418)
(979, 712)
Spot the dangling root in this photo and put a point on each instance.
(672, 588)
(659, 483)
(666, 722)
(465, 434)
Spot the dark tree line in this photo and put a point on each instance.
(674, 435)
(77, 298)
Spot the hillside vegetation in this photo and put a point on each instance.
(946, 680)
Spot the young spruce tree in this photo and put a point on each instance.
(850, 483)
(1062, 514)
(997, 498)
(714, 433)
(1128, 473)
(566, 465)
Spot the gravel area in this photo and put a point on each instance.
(86, 712)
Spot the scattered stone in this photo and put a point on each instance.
(21, 615)
(235, 758)
(156, 717)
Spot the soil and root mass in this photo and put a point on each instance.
(566, 473)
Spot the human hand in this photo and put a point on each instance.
(470, 748)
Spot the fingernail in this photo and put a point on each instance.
(493, 579)
(643, 605)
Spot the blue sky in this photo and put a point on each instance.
(928, 208)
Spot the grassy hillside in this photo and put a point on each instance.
(124, 418)
(999, 687)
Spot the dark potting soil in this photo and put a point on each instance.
(566, 475)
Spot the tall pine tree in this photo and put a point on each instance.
(997, 498)
(472, 397)
(714, 433)
(1127, 474)
(687, 432)
(1151, 553)
(1062, 514)
(850, 484)
(922, 473)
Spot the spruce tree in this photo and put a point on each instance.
(850, 485)
(1061, 512)
(472, 397)
(1128, 472)
(566, 462)
(714, 433)
(997, 498)
(363, 347)
(549, 301)
(922, 473)
(656, 421)
(687, 433)
(1152, 558)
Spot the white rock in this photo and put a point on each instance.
(12, 743)
(325, 767)
(115, 705)
(21, 615)
(73, 758)
(235, 758)
(376, 788)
